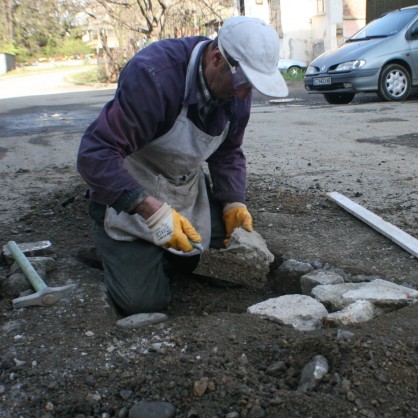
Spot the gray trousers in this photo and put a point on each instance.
(137, 273)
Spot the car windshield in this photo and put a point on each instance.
(387, 25)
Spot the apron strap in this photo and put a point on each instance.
(192, 66)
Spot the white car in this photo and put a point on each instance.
(291, 67)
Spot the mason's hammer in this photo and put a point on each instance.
(44, 296)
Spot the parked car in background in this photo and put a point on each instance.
(292, 67)
(382, 57)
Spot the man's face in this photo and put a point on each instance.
(227, 81)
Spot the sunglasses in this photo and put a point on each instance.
(239, 79)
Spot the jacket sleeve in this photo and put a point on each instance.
(134, 117)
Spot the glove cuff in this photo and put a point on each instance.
(158, 216)
(233, 205)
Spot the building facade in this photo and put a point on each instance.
(307, 28)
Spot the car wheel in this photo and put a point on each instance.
(294, 71)
(339, 98)
(394, 83)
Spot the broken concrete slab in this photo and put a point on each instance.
(302, 312)
(331, 295)
(246, 260)
(355, 313)
(286, 279)
(381, 293)
(318, 277)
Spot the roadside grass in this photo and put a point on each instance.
(43, 69)
(85, 77)
(298, 76)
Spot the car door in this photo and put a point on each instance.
(412, 38)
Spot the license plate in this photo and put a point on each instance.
(322, 81)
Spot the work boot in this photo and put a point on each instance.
(89, 256)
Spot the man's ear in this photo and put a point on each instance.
(216, 57)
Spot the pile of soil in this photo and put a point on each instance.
(211, 358)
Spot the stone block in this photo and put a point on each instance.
(286, 279)
(318, 277)
(302, 312)
(382, 293)
(355, 313)
(331, 295)
(246, 260)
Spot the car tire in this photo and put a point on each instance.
(339, 98)
(294, 71)
(394, 83)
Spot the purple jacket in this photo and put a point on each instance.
(148, 99)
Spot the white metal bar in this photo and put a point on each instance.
(404, 240)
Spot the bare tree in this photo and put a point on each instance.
(145, 17)
(6, 21)
(125, 26)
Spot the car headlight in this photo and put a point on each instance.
(312, 70)
(350, 65)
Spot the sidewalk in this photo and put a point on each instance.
(42, 83)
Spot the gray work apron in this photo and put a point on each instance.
(170, 169)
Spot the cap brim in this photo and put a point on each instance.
(272, 85)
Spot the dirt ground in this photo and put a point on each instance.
(70, 360)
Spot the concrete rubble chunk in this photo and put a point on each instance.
(30, 249)
(42, 265)
(331, 295)
(246, 260)
(286, 279)
(141, 320)
(312, 373)
(382, 293)
(318, 277)
(302, 312)
(357, 312)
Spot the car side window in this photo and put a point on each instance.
(413, 31)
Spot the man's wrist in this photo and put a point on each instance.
(231, 205)
(148, 207)
(133, 206)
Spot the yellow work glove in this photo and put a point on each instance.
(236, 215)
(171, 230)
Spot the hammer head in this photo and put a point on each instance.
(47, 296)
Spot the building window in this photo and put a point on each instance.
(242, 7)
(320, 6)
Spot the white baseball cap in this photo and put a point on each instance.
(255, 46)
